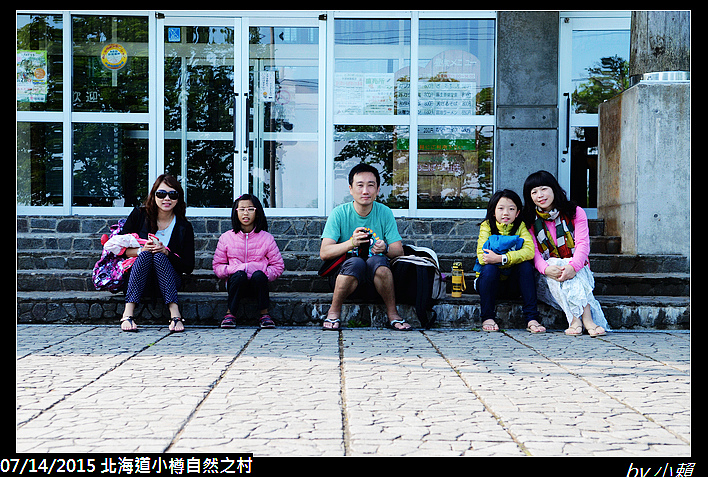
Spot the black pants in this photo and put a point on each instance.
(239, 286)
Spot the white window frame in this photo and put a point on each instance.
(413, 119)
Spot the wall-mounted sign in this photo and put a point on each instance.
(114, 56)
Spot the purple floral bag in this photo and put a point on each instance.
(109, 271)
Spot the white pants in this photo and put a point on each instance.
(572, 296)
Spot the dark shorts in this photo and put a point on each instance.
(364, 272)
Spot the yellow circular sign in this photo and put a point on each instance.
(114, 56)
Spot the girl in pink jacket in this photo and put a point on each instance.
(247, 257)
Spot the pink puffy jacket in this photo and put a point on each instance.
(249, 252)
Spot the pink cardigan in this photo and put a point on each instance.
(248, 252)
(582, 242)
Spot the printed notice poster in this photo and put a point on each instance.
(349, 93)
(267, 86)
(32, 76)
(363, 93)
(378, 93)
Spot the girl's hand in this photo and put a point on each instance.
(491, 257)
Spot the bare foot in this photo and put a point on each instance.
(127, 324)
(176, 325)
(395, 321)
(490, 325)
(331, 322)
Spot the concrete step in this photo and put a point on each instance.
(630, 284)
(308, 309)
(42, 259)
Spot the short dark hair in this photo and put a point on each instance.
(260, 223)
(491, 209)
(363, 167)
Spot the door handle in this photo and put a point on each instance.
(245, 122)
(567, 123)
(235, 125)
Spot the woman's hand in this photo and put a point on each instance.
(567, 272)
(154, 245)
(553, 272)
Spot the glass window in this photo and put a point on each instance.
(600, 67)
(284, 116)
(199, 85)
(39, 62)
(456, 67)
(110, 164)
(39, 163)
(384, 147)
(454, 166)
(110, 64)
(372, 66)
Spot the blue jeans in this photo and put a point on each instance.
(519, 281)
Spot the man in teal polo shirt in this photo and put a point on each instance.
(348, 229)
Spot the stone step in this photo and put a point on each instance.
(632, 284)
(40, 259)
(442, 244)
(307, 309)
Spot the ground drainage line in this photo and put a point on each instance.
(71, 393)
(346, 436)
(487, 407)
(212, 386)
(596, 387)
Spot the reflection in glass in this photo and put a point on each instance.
(110, 64)
(283, 120)
(39, 62)
(372, 66)
(454, 166)
(39, 163)
(456, 67)
(384, 147)
(583, 166)
(199, 82)
(109, 164)
(600, 67)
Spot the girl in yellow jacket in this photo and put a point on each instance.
(506, 272)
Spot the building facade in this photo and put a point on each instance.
(448, 105)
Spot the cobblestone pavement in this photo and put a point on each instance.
(305, 392)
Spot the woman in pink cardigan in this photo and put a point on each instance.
(559, 229)
(247, 257)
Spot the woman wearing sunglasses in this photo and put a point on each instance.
(167, 254)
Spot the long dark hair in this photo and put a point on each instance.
(150, 206)
(491, 208)
(260, 222)
(560, 199)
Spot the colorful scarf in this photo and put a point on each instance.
(565, 232)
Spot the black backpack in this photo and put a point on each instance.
(417, 281)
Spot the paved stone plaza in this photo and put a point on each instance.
(304, 392)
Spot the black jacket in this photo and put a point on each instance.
(181, 242)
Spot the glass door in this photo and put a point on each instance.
(594, 59)
(286, 115)
(202, 111)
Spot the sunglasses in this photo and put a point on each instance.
(161, 194)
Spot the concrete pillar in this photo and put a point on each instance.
(527, 96)
(645, 143)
